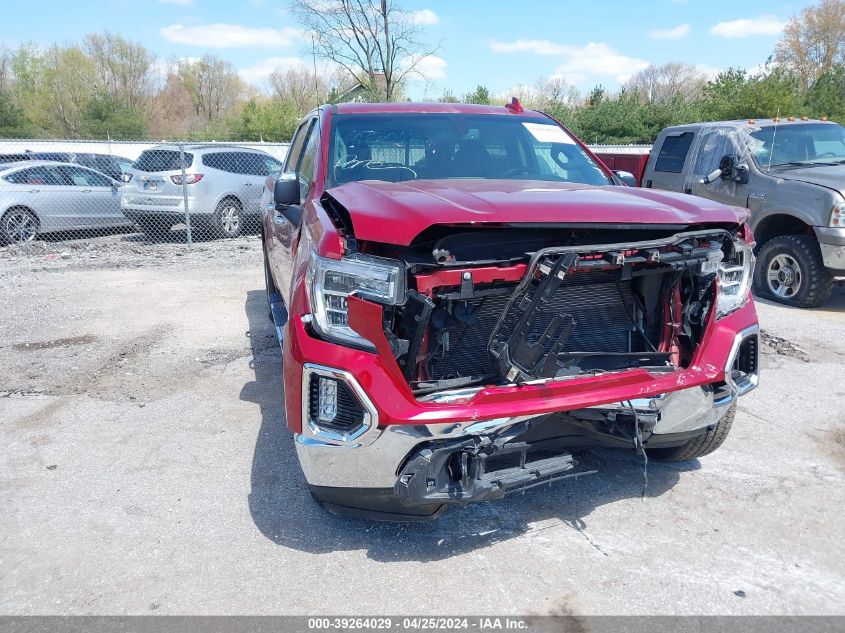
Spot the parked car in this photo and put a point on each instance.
(111, 166)
(38, 197)
(13, 158)
(223, 183)
(464, 293)
(125, 164)
(789, 173)
(103, 163)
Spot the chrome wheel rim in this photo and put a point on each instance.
(784, 276)
(20, 227)
(230, 219)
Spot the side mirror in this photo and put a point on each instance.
(286, 191)
(733, 170)
(286, 197)
(626, 176)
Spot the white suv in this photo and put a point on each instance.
(223, 184)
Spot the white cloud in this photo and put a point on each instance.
(748, 27)
(179, 2)
(579, 62)
(425, 16)
(430, 67)
(230, 36)
(260, 71)
(682, 30)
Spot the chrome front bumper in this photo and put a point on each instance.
(373, 458)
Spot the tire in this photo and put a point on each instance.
(790, 271)
(18, 226)
(155, 228)
(699, 446)
(227, 218)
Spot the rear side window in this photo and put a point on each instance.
(79, 177)
(673, 153)
(161, 160)
(232, 162)
(100, 163)
(256, 164)
(273, 165)
(37, 176)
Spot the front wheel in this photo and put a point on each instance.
(700, 445)
(18, 226)
(790, 270)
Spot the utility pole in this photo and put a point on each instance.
(388, 63)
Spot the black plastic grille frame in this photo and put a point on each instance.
(350, 413)
(599, 306)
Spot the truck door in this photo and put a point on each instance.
(667, 170)
(705, 157)
(283, 233)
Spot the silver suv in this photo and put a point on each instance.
(223, 186)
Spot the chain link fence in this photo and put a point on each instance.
(55, 191)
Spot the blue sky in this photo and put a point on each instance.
(500, 44)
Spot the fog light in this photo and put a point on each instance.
(327, 403)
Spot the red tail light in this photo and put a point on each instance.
(190, 179)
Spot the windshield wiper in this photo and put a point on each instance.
(807, 163)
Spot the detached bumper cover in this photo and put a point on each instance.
(377, 464)
(678, 403)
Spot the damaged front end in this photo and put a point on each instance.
(556, 312)
(502, 347)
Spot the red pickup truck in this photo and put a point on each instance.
(465, 293)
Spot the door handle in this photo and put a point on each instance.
(248, 184)
(35, 191)
(86, 191)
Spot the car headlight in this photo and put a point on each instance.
(733, 279)
(837, 215)
(332, 281)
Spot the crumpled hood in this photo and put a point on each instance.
(395, 213)
(829, 176)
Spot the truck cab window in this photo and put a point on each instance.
(673, 153)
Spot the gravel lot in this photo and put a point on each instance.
(146, 469)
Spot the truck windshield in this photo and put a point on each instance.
(401, 147)
(798, 144)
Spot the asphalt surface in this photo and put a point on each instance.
(147, 469)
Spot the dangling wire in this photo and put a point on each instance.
(639, 447)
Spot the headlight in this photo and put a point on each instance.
(332, 281)
(837, 215)
(734, 279)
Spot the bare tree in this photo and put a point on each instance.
(555, 94)
(376, 41)
(212, 84)
(814, 41)
(123, 68)
(299, 86)
(667, 83)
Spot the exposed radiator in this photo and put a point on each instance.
(592, 298)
